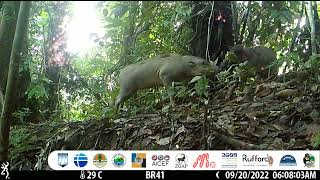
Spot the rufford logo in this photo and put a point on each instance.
(181, 160)
(160, 160)
(203, 160)
(252, 160)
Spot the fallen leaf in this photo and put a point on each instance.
(146, 141)
(277, 127)
(157, 137)
(259, 114)
(252, 126)
(274, 113)
(191, 119)
(256, 105)
(262, 90)
(144, 131)
(296, 100)
(165, 108)
(231, 130)
(261, 132)
(164, 141)
(230, 91)
(314, 115)
(244, 123)
(314, 88)
(179, 130)
(286, 93)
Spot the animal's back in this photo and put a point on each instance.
(145, 74)
(260, 56)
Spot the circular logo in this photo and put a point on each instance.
(119, 160)
(99, 160)
(154, 157)
(160, 157)
(309, 160)
(166, 157)
(80, 160)
(181, 158)
(288, 160)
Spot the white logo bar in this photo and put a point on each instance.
(184, 160)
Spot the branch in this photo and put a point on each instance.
(312, 27)
(1, 99)
(142, 29)
(208, 35)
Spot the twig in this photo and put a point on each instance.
(95, 145)
(195, 34)
(208, 36)
(205, 130)
(1, 99)
(172, 127)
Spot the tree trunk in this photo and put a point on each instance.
(1, 99)
(316, 23)
(220, 36)
(8, 109)
(312, 27)
(23, 81)
(235, 20)
(56, 56)
(7, 29)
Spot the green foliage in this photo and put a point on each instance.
(201, 86)
(17, 140)
(316, 140)
(37, 92)
(313, 63)
(24, 112)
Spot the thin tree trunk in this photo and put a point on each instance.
(316, 23)
(1, 99)
(313, 29)
(235, 19)
(7, 29)
(8, 109)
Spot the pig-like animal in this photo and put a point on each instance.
(256, 56)
(259, 57)
(159, 71)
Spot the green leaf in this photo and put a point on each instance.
(195, 79)
(44, 14)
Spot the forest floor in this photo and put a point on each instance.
(273, 115)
